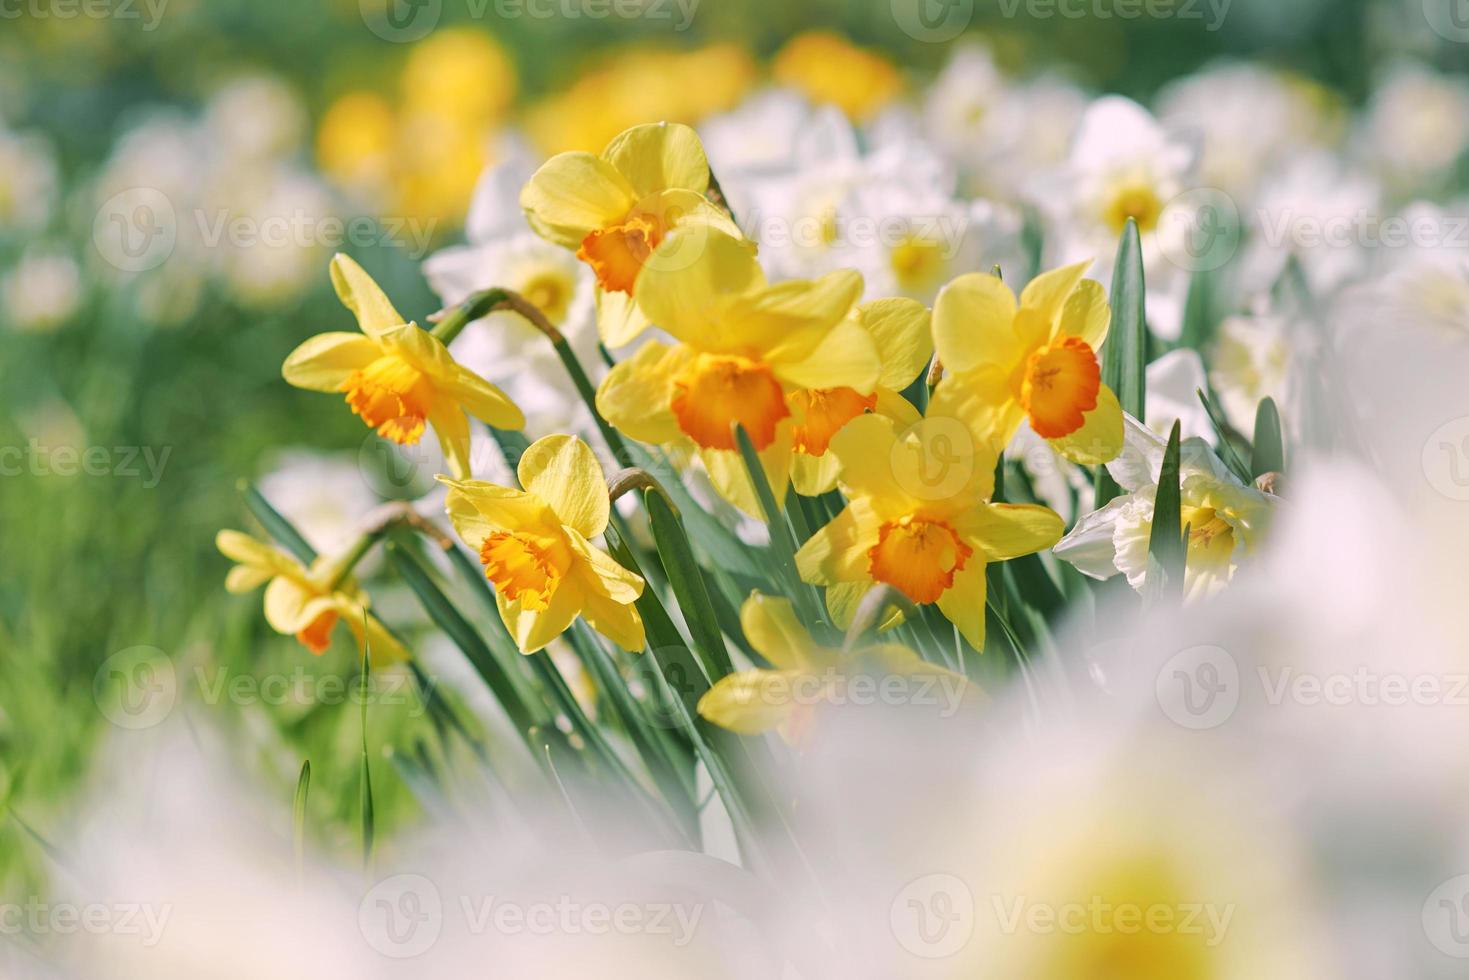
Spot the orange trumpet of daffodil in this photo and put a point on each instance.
(305, 602)
(744, 349)
(536, 546)
(918, 519)
(397, 377)
(617, 208)
(1034, 360)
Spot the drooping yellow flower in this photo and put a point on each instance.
(616, 209)
(828, 68)
(301, 601)
(535, 545)
(397, 377)
(1035, 360)
(901, 334)
(918, 519)
(806, 675)
(745, 348)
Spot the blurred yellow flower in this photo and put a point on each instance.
(918, 519)
(535, 545)
(1037, 360)
(395, 376)
(356, 141)
(615, 209)
(305, 602)
(461, 73)
(829, 69)
(805, 674)
(744, 348)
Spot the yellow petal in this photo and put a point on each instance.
(1004, 531)
(328, 359)
(902, 330)
(973, 323)
(791, 319)
(659, 156)
(288, 605)
(814, 475)
(845, 357)
(771, 626)
(574, 194)
(620, 320)
(621, 623)
(452, 429)
(246, 578)
(482, 399)
(371, 635)
(838, 552)
(751, 702)
(636, 393)
(731, 480)
(1099, 439)
(532, 629)
(564, 472)
(605, 576)
(864, 448)
(687, 298)
(897, 408)
(1086, 314)
(963, 602)
(843, 599)
(477, 509)
(360, 294)
(1046, 293)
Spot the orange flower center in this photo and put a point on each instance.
(822, 412)
(392, 396)
(1060, 386)
(718, 390)
(524, 567)
(617, 253)
(918, 557)
(316, 636)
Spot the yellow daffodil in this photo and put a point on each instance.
(616, 209)
(304, 602)
(395, 376)
(745, 348)
(918, 519)
(829, 69)
(901, 334)
(806, 675)
(1035, 360)
(535, 545)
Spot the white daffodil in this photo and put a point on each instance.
(1253, 357)
(1174, 381)
(1416, 126)
(28, 181)
(1224, 517)
(503, 347)
(42, 291)
(326, 497)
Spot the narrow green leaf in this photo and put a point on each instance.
(687, 582)
(782, 543)
(365, 782)
(1125, 353)
(1167, 552)
(1198, 312)
(298, 818)
(1226, 447)
(1268, 455)
(277, 526)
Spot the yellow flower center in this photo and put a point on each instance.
(821, 413)
(917, 263)
(617, 253)
(1060, 386)
(718, 390)
(316, 636)
(1136, 201)
(1210, 537)
(392, 396)
(524, 567)
(550, 290)
(918, 557)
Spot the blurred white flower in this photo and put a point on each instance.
(1224, 517)
(28, 181)
(42, 291)
(255, 117)
(326, 497)
(1253, 358)
(1416, 126)
(1318, 209)
(1173, 383)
